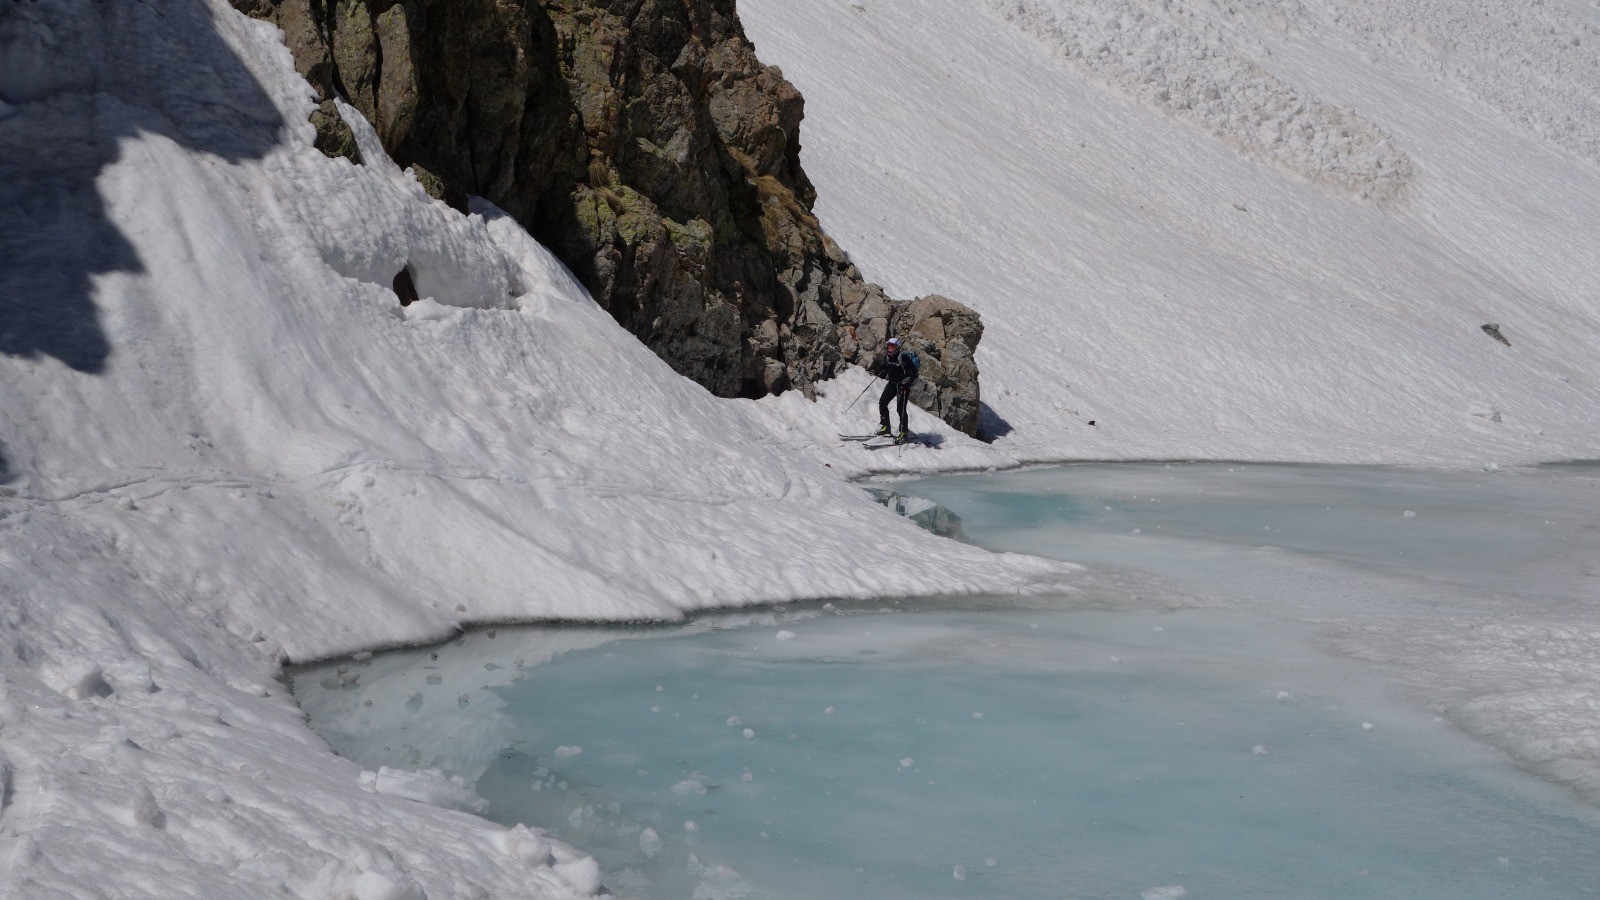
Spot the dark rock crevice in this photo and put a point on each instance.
(645, 143)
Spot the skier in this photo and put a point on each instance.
(899, 368)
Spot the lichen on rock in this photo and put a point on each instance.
(334, 136)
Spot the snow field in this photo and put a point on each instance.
(1140, 266)
(245, 451)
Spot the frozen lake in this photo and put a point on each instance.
(1263, 689)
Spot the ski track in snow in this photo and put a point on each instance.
(227, 445)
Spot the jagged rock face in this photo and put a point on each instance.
(644, 142)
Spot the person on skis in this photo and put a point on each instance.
(899, 368)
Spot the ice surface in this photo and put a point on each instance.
(1515, 541)
(1099, 779)
(932, 516)
(1485, 603)
(1228, 723)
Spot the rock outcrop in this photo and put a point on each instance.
(645, 143)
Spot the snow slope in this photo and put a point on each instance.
(223, 443)
(1253, 229)
(227, 445)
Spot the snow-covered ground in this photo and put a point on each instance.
(227, 445)
(224, 444)
(1252, 229)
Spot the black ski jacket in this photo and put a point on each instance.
(899, 371)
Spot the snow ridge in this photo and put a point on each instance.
(1188, 67)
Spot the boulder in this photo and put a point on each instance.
(943, 334)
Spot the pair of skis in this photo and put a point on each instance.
(893, 442)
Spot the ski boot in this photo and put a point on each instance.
(902, 437)
(882, 429)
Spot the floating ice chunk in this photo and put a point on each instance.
(690, 826)
(977, 715)
(907, 763)
(692, 785)
(746, 777)
(649, 842)
(565, 750)
(734, 721)
(1286, 697)
(990, 861)
(960, 872)
(1366, 726)
(828, 711)
(1166, 892)
(829, 607)
(429, 786)
(749, 733)
(784, 636)
(1259, 750)
(363, 656)
(1491, 467)
(1409, 514)
(373, 885)
(717, 881)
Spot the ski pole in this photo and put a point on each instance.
(858, 398)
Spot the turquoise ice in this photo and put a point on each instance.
(1212, 715)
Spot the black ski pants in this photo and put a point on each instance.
(889, 391)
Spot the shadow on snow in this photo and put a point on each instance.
(77, 77)
(990, 425)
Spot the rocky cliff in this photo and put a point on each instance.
(645, 143)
